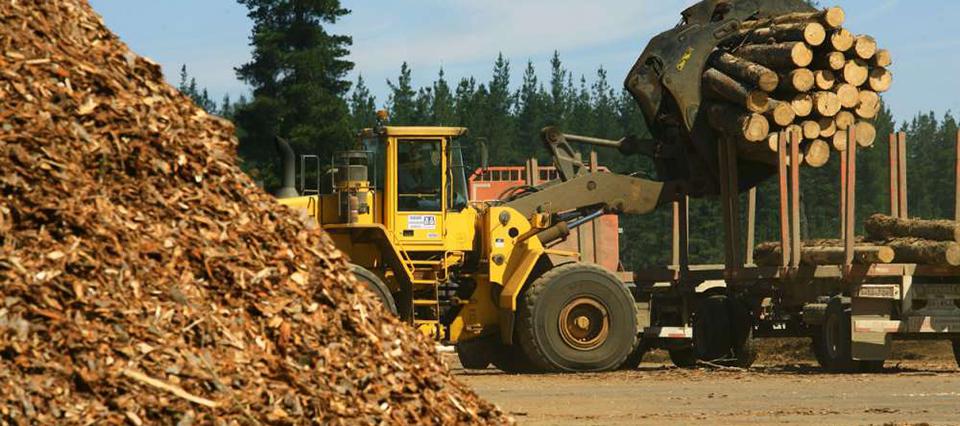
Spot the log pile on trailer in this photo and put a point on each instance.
(800, 72)
(931, 242)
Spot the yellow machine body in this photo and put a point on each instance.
(409, 222)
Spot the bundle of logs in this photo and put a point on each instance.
(925, 242)
(800, 72)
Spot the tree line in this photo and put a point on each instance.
(300, 91)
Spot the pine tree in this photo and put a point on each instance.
(298, 76)
(401, 102)
(531, 114)
(363, 106)
(498, 124)
(442, 110)
(558, 104)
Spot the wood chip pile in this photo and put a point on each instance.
(146, 280)
(888, 240)
(800, 72)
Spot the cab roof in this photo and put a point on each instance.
(417, 131)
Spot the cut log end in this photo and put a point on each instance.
(842, 40)
(848, 94)
(781, 113)
(824, 79)
(802, 104)
(865, 47)
(880, 79)
(834, 17)
(866, 134)
(855, 72)
(883, 58)
(827, 104)
(869, 105)
(817, 153)
(845, 119)
(811, 129)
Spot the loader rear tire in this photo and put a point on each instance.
(375, 285)
(577, 317)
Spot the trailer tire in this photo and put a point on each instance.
(683, 357)
(712, 337)
(577, 317)
(832, 341)
(744, 345)
(376, 285)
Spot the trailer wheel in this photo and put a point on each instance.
(376, 285)
(832, 342)
(744, 345)
(577, 317)
(712, 337)
(684, 357)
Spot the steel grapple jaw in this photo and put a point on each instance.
(665, 80)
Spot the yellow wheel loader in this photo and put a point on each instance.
(482, 275)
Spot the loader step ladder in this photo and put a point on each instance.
(423, 299)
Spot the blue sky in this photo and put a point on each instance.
(465, 36)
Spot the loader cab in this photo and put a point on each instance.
(415, 186)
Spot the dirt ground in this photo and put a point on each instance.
(921, 385)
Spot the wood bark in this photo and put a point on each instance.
(724, 87)
(825, 80)
(856, 72)
(742, 70)
(883, 227)
(827, 104)
(797, 81)
(812, 33)
(865, 47)
(816, 153)
(842, 40)
(925, 252)
(869, 105)
(848, 94)
(832, 17)
(769, 254)
(787, 55)
(880, 79)
(802, 104)
(781, 113)
(737, 124)
(866, 134)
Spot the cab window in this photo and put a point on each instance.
(419, 175)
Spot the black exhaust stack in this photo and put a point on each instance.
(288, 170)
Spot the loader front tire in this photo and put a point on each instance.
(375, 285)
(577, 317)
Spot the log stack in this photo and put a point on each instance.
(888, 239)
(931, 242)
(798, 72)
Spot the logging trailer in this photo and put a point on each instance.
(851, 311)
